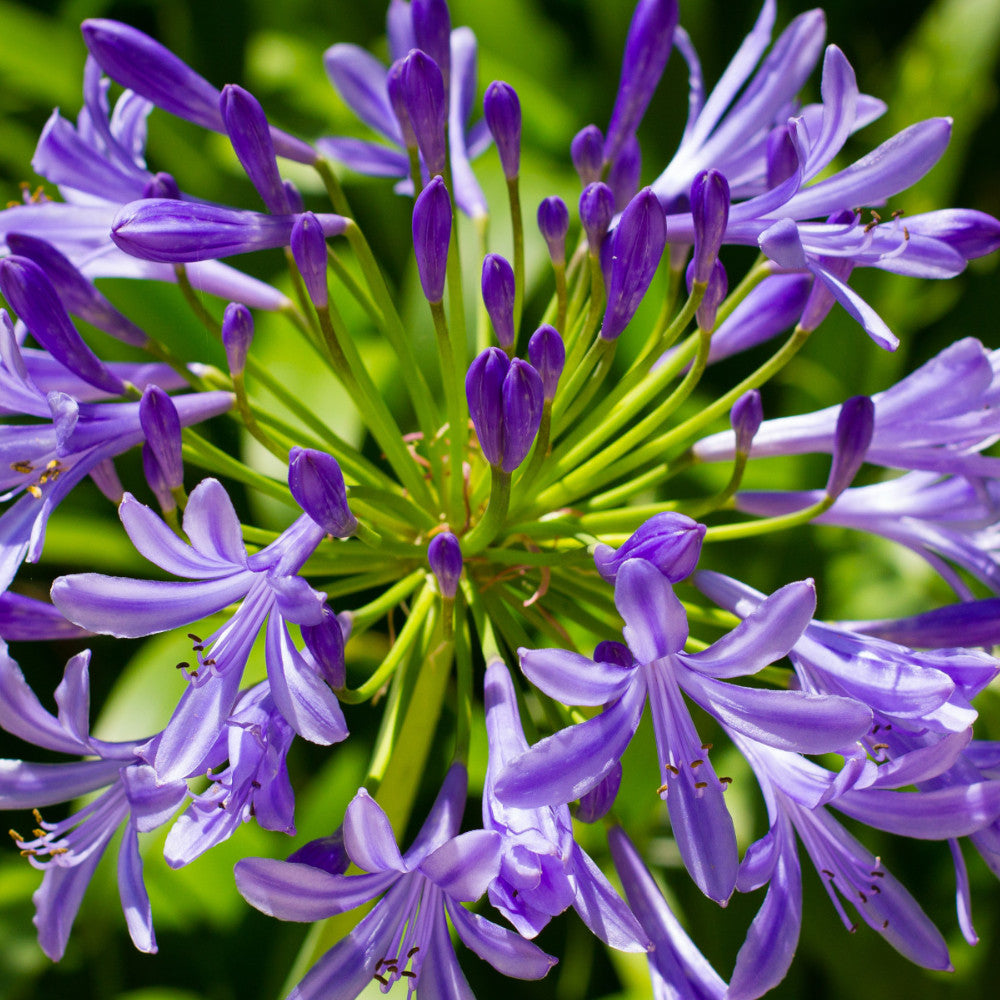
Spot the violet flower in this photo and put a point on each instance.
(542, 870)
(564, 766)
(498, 296)
(98, 166)
(502, 112)
(270, 590)
(406, 934)
(360, 79)
(444, 555)
(68, 851)
(431, 234)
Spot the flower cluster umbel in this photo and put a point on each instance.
(520, 508)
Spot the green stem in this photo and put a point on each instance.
(496, 512)
(768, 525)
(458, 414)
(517, 233)
(463, 677)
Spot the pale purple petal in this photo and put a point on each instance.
(602, 909)
(360, 80)
(464, 866)
(151, 802)
(655, 622)
(30, 786)
(132, 890)
(211, 523)
(506, 951)
(368, 836)
(574, 679)
(364, 157)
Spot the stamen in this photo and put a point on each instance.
(662, 790)
(34, 491)
(23, 467)
(696, 763)
(701, 784)
(706, 746)
(672, 769)
(15, 836)
(725, 782)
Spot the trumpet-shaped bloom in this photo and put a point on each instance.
(406, 935)
(221, 572)
(654, 667)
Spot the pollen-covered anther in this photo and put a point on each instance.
(696, 763)
(662, 790)
(15, 836)
(706, 747)
(34, 491)
(725, 782)
(672, 769)
(701, 784)
(23, 467)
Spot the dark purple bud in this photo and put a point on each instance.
(445, 557)
(498, 296)
(250, 135)
(432, 33)
(553, 222)
(182, 231)
(325, 642)
(670, 541)
(484, 391)
(587, 153)
(309, 250)
(31, 296)
(394, 85)
(318, 486)
(237, 335)
(327, 854)
(523, 400)
(598, 801)
(746, 417)
(141, 64)
(634, 249)
(855, 426)
(782, 156)
(77, 293)
(503, 118)
(618, 653)
(623, 177)
(154, 476)
(647, 49)
(547, 354)
(423, 94)
(710, 214)
(431, 235)
(162, 429)
(597, 209)
(161, 185)
(715, 292)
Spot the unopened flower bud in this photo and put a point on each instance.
(318, 486)
(161, 185)
(587, 153)
(553, 222)
(781, 156)
(309, 250)
(547, 354)
(237, 335)
(597, 209)
(635, 248)
(445, 557)
(746, 417)
(623, 177)
(502, 110)
(484, 391)
(295, 203)
(855, 426)
(154, 476)
(522, 412)
(431, 235)
(596, 803)
(250, 135)
(498, 296)
(162, 429)
(710, 214)
(715, 292)
(670, 541)
(423, 94)
(397, 98)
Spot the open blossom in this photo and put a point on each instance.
(405, 935)
(271, 594)
(654, 667)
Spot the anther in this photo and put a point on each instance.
(880, 746)
(23, 467)
(381, 979)
(662, 789)
(706, 746)
(34, 491)
(15, 836)
(28, 853)
(864, 898)
(181, 666)
(38, 816)
(701, 784)
(827, 872)
(885, 924)
(906, 234)
(413, 951)
(59, 850)
(696, 763)
(672, 769)
(406, 972)
(874, 888)
(38, 832)
(877, 874)
(725, 782)
(255, 784)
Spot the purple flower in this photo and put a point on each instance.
(505, 403)
(939, 418)
(163, 229)
(502, 111)
(68, 851)
(633, 252)
(431, 234)
(444, 554)
(542, 870)
(308, 243)
(547, 354)
(270, 590)
(406, 934)
(498, 296)
(316, 482)
(423, 92)
(553, 223)
(237, 334)
(597, 209)
(709, 213)
(676, 966)
(587, 153)
(99, 166)
(564, 766)
(361, 80)
(671, 542)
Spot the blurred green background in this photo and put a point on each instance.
(562, 56)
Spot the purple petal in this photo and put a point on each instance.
(132, 890)
(360, 80)
(505, 950)
(655, 622)
(573, 679)
(565, 765)
(368, 836)
(464, 866)
(151, 802)
(602, 909)
(30, 786)
(364, 157)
